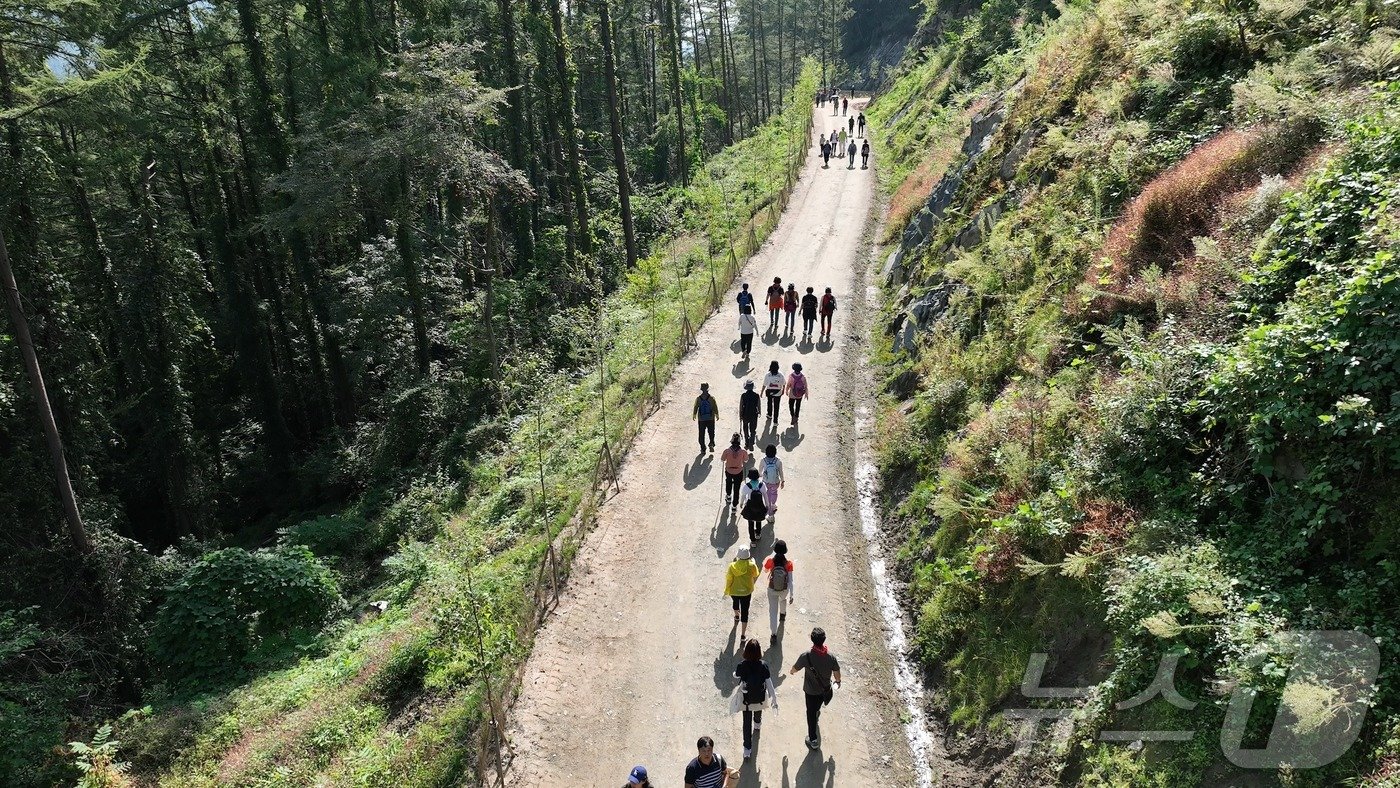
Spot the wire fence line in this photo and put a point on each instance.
(493, 750)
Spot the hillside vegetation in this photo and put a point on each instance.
(1141, 371)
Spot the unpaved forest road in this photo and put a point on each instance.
(637, 661)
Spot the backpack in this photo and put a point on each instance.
(756, 507)
(745, 298)
(828, 304)
(778, 578)
(770, 470)
(799, 385)
(706, 407)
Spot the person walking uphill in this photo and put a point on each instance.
(860, 123)
(865, 154)
(828, 308)
(796, 391)
(708, 769)
(773, 384)
(809, 313)
(845, 103)
(826, 153)
(851, 154)
(755, 686)
(789, 307)
(750, 408)
(638, 778)
(745, 298)
(755, 494)
(770, 470)
(779, 570)
(748, 326)
(705, 412)
(841, 149)
(738, 585)
(775, 302)
(823, 674)
(734, 460)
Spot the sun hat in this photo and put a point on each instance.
(748, 384)
(743, 553)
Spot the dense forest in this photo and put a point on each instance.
(282, 268)
(1141, 385)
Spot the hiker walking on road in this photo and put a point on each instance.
(773, 385)
(826, 153)
(775, 302)
(835, 102)
(779, 570)
(796, 391)
(750, 407)
(851, 125)
(755, 505)
(755, 686)
(809, 313)
(841, 149)
(770, 470)
(705, 412)
(638, 778)
(745, 298)
(738, 585)
(851, 152)
(734, 459)
(708, 770)
(860, 123)
(864, 154)
(748, 326)
(828, 308)
(845, 103)
(823, 674)
(790, 306)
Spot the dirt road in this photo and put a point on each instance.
(637, 661)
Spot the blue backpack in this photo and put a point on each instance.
(706, 407)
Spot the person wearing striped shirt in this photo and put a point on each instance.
(708, 770)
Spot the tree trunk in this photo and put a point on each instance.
(673, 56)
(41, 400)
(570, 123)
(624, 185)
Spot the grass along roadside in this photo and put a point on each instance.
(394, 700)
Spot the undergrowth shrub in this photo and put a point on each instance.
(236, 608)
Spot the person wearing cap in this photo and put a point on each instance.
(738, 585)
(733, 459)
(773, 384)
(705, 412)
(748, 326)
(796, 391)
(755, 686)
(750, 408)
(745, 298)
(755, 494)
(638, 776)
(809, 313)
(823, 673)
(708, 769)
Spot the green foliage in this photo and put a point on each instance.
(236, 608)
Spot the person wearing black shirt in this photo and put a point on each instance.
(809, 313)
(756, 683)
(750, 408)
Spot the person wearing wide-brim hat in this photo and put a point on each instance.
(738, 585)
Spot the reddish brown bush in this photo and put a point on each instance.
(1000, 563)
(1106, 525)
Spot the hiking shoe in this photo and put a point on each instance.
(812, 744)
(748, 753)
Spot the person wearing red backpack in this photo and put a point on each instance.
(790, 307)
(796, 391)
(779, 570)
(828, 308)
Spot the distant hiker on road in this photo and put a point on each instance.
(835, 102)
(851, 125)
(755, 504)
(708, 770)
(738, 585)
(822, 139)
(638, 778)
(773, 384)
(748, 326)
(845, 102)
(790, 307)
(770, 470)
(809, 313)
(775, 302)
(755, 686)
(841, 149)
(860, 123)
(750, 408)
(823, 673)
(826, 153)
(828, 308)
(796, 391)
(745, 298)
(779, 570)
(851, 152)
(705, 411)
(865, 154)
(734, 459)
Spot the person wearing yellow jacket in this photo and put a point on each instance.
(738, 585)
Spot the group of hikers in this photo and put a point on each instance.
(756, 488)
(842, 143)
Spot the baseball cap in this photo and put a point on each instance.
(638, 775)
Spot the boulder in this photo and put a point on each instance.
(1017, 154)
(893, 272)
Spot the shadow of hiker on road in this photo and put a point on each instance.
(792, 437)
(812, 773)
(741, 368)
(824, 346)
(727, 660)
(698, 471)
(770, 335)
(726, 530)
